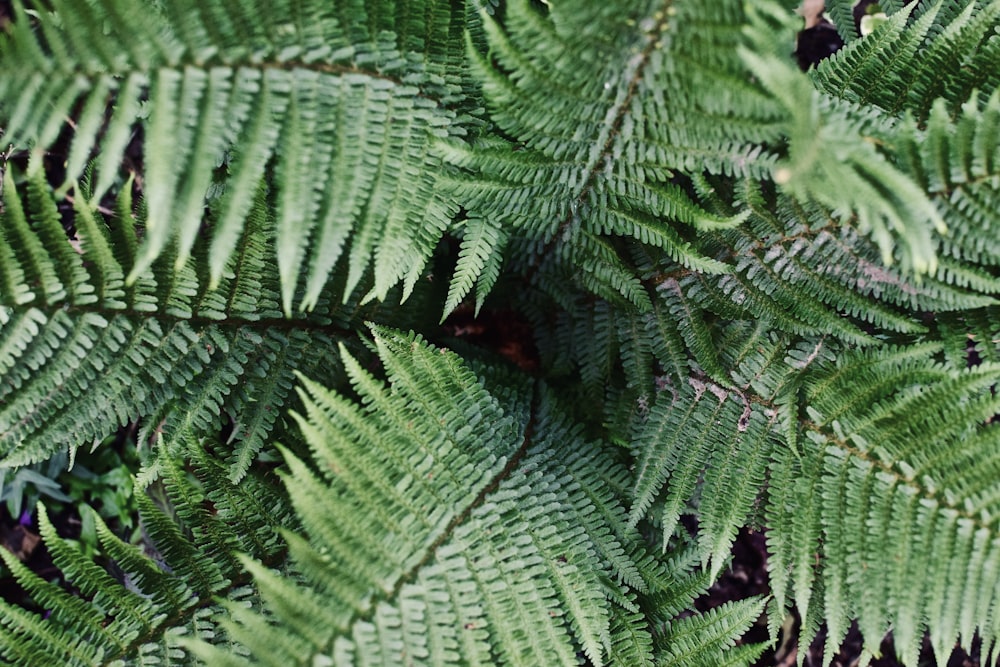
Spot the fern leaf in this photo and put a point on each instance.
(567, 175)
(866, 58)
(693, 438)
(166, 349)
(659, 463)
(478, 264)
(28, 640)
(164, 597)
(687, 640)
(92, 580)
(536, 536)
(631, 642)
(939, 51)
(319, 93)
(842, 15)
(758, 296)
(880, 476)
(80, 616)
(889, 206)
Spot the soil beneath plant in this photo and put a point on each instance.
(19, 535)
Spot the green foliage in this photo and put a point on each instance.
(159, 597)
(735, 295)
(108, 489)
(346, 102)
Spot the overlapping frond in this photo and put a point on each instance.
(956, 157)
(435, 570)
(882, 516)
(700, 436)
(338, 105)
(490, 539)
(932, 69)
(533, 560)
(706, 640)
(796, 270)
(83, 354)
(137, 608)
(881, 483)
(594, 143)
(865, 455)
(594, 159)
(925, 54)
(799, 267)
(970, 337)
(834, 156)
(758, 295)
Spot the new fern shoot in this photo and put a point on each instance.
(753, 297)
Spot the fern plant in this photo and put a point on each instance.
(756, 297)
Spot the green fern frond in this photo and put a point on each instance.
(171, 647)
(842, 15)
(49, 645)
(970, 337)
(81, 618)
(479, 262)
(689, 638)
(455, 549)
(693, 437)
(858, 179)
(593, 156)
(631, 642)
(165, 350)
(941, 51)
(341, 111)
(801, 269)
(444, 491)
(758, 297)
(958, 161)
(882, 454)
(885, 466)
(795, 270)
(162, 597)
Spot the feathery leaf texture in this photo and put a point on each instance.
(593, 148)
(473, 527)
(758, 296)
(141, 612)
(82, 353)
(338, 106)
(926, 53)
(494, 538)
(888, 454)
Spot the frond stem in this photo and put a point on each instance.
(635, 67)
(512, 463)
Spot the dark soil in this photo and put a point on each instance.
(19, 535)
